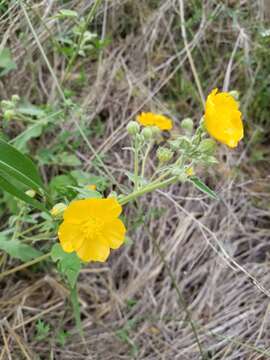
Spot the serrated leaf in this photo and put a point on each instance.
(199, 184)
(84, 178)
(18, 250)
(86, 193)
(31, 132)
(68, 263)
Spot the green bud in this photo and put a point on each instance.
(147, 133)
(234, 94)
(133, 128)
(187, 124)
(164, 154)
(112, 194)
(9, 114)
(15, 98)
(6, 105)
(181, 143)
(155, 130)
(180, 173)
(31, 193)
(207, 146)
(58, 210)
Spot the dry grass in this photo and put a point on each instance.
(216, 251)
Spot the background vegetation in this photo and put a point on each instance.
(82, 70)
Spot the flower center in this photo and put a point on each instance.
(92, 228)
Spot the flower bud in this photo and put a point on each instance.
(207, 146)
(15, 98)
(5, 104)
(58, 210)
(187, 124)
(133, 128)
(147, 133)
(234, 94)
(9, 114)
(155, 131)
(112, 194)
(190, 171)
(164, 154)
(31, 193)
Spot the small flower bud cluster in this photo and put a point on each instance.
(164, 154)
(146, 134)
(187, 125)
(9, 107)
(133, 128)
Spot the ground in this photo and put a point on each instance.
(190, 262)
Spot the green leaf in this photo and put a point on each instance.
(31, 110)
(84, 193)
(61, 186)
(66, 159)
(17, 165)
(31, 132)
(6, 62)
(66, 13)
(62, 337)
(18, 250)
(20, 194)
(68, 263)
(84, 178)
(199, 184)
(42, 330)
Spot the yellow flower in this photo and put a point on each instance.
(91, 227)
(151, 119)
(223, 119)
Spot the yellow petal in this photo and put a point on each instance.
(80, 210)
(223, 120)
(151, 119)
(70, 236)
(105, 208)
(97, 251)
(115, 233)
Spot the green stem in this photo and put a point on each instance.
(23, 266)
(17, 225)
(42, 51)
(149, 147)
(76, 309)
(136, 163)
(149, 188)
(86, 24)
